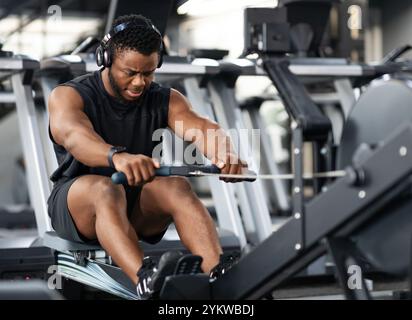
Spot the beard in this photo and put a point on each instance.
(118, 91)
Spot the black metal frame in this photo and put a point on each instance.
(346, 254)
(308, 124)
(336, 212)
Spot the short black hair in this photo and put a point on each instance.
(144, 40)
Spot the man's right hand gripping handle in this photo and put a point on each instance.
(138, 168)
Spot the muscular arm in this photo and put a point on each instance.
(72, 129)
(211, 140)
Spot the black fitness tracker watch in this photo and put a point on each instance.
(112, 152)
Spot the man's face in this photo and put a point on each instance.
(131, 73)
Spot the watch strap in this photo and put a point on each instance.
(113, 150)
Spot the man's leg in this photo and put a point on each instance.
(99, 210)
(168, 199)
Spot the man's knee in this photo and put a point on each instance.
(179, 185)
(179, 190)
(165, 195)
(106, 192)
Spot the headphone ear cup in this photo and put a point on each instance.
(107, 60)
(160, 60)
(99, 56)
(161, 52)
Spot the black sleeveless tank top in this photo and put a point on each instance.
(131, 126)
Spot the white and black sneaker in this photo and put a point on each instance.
(144, 286)
(152, 277)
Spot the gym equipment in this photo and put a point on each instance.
(17, 217)
(266, 31)
(188, 171)
(27, 290)
(384, 106)
(166, 171)
(213, 171)
(363, 200)
(18, 262)
(91, 265)
(382, 121)
(22, 255)
(301, 239)
(294, 26)
(228, 114)
(286, 176)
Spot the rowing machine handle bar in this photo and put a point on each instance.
(167, 171)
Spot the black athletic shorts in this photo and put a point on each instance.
(63, 223)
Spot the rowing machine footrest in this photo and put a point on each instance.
(188, 264)
(186, 287)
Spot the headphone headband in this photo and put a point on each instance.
(103, 55)
(113, 31)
